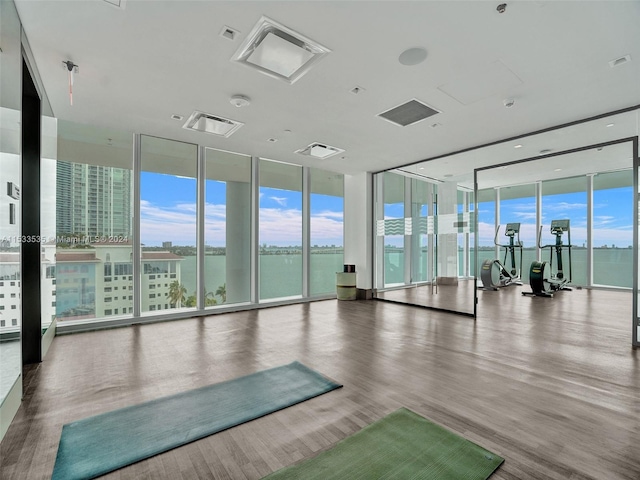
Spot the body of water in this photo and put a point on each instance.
(280, 275)
(611, 266)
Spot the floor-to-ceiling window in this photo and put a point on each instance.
(421, 205)
(227, 229)
(168, 208)
(613, 229)
(565, 198)
(326, 225)
(280, 230)
(93, 215)
(393, 204)
(518, 205)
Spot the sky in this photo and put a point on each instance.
(168, 213)
(612, 218)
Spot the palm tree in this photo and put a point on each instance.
(177, 294)
(222, 292)
(209, 299)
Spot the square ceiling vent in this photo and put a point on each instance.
(207, 123)
(408, 113)
(319, 150)
(278, 51)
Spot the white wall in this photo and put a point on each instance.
(358, 226)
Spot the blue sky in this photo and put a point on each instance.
(168, 209)
(612, 218)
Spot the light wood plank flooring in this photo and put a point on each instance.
(552, 385)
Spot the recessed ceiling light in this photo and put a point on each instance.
(278, 51)
(557, 169)
(413, 56)
(610, 124)
(517, 146)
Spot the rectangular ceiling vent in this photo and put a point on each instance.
(207, 123)
(408, 113)
(319, 150)
(278, 51)
(116, 3)
(620, 61)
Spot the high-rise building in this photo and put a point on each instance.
(93, 200)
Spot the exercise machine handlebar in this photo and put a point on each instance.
(511, 230)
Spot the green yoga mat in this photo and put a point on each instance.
(402, 445)
(97, 445)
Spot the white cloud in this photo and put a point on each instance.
(280, 200)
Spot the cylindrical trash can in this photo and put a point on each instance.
(346, 285)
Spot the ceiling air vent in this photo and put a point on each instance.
(278, 51)
(408, 113)
(319, 150)
(620, 61)
(204, 122)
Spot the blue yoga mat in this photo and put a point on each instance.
(97, 445)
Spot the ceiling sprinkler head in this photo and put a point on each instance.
(509, 102)
(501, 8)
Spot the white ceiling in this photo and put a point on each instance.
(144, 62)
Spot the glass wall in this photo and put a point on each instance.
(486, 212)
(326, 227)
(422, 195)
(518, 205)
(613, 229)
(566, 198)
(93, 278)
(598, 206)
(48, 166)
(93, 273)
(168, 207)
(393, 205)
(280, 230)
(227, 230)
(424, 242)
(10, 212)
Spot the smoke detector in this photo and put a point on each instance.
(240, 101)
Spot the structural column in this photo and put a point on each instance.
(358, 229)
(238, 243)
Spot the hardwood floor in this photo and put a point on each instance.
(552, 385)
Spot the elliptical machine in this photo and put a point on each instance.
(546, 287)
(505, 277)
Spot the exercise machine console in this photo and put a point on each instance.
(558, 280)
(505, 276)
